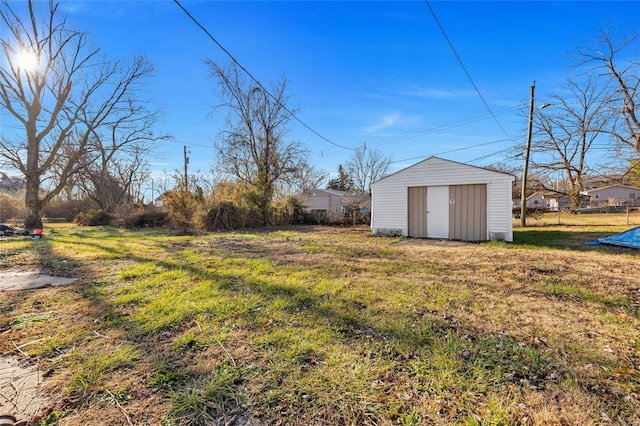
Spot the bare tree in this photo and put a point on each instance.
(504, 168)
(112, 181)
(303, 178)
(60, 107)
(116, 159)
(355, 202)
(253, 148)
(567, 131)
(606, 58)
(366, 166)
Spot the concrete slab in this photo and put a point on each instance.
(22, 389)
(30, 280)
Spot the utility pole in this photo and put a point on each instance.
(186, 176)
(523, 195)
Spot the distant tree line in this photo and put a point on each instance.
(592, 126)
(85, 132)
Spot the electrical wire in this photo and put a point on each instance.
(255, 80)
(451, 150)
(464, 68)
(493, 154)
(436, 128)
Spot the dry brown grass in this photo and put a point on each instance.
(334, 326)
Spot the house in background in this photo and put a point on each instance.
(438, 198)
(546, 200)
(11, 185)
(159, 201)
(333, 205)
(614, 195)
(536, 201)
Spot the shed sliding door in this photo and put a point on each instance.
(456, 212)
(428, 212)
(417, 212)
(468, 212)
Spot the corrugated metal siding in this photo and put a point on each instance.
(468, 212)
(417, 214)
(389, 195)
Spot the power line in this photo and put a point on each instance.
(436, 128)
(493, 154)
(255, 80)
(189, 143)
(465, 69)
(451, 150)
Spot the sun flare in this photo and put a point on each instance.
(27, 61)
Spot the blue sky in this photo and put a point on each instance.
(379, 73)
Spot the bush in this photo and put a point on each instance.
(67, 209)
(182, 205)
(11, 207)
(140, 217)
(224, 216)
(289, 212)
(93, 218)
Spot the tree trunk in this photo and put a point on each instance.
(33, 205)
(575, 198)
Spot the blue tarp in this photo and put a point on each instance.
(628, 238)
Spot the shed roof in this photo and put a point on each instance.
(434, 159)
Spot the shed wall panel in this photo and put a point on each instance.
(468, 212)
(417, 214)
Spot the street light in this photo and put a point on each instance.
(523, 192)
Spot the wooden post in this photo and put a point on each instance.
(523, 195)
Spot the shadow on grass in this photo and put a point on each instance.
(441, 356)
(264, 324)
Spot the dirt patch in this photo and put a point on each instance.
(423, 242)
(21, 392)
(30, 280)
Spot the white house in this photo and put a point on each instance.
(323, 200)
(438, 198)
(543, 200)
(159, 201)
(614, 195)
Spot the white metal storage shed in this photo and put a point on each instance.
(443, 199)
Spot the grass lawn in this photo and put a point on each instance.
(319, 325)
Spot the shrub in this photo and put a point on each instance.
(67, 209)
(182, 205)
(289, 212)
(224, 216)
(140, 216)
(10, 207)
(93, 218)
